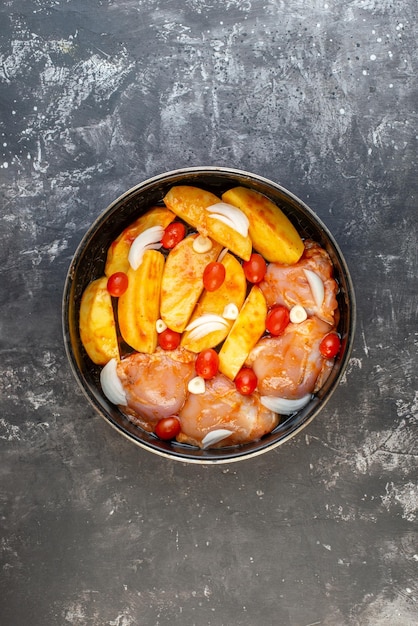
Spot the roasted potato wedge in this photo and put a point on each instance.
(117, 256)
(182, 282)
(244, 334)
(232, 291)
(272, 233)
(190, 204)
(139, 306)
(97, 323)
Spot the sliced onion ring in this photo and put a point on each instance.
(201, 331)
(205, 319)
(284, 406)
(150, 239)
(230, 215)
(317, 286)
(111, 385)
(222, 253)
(215, 436)
(205, 324)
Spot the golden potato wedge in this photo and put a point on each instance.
(97, 323)
(139, 306)
(272, 233)
(117, 255)
(232, 291)
(190, 204)
(182, 282)
(244, 334)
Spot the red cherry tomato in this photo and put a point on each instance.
(255, 268)
(117, 284)
(167, 428)
(277, 319)
(213, 276)
(169, 339)
(246, 381)
(207, 363)
(330, 345)
(173, 234)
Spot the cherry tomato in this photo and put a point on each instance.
(169, 339)
(246, 381)
(167, 428)
(207, 363)
(330, 345)
(117, 284)
(277, 319)
(213, 276)
(255, 268)
(173, 234)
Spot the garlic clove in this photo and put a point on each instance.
(202, 244)
(230, 311)
(196, 385)
(160, 326)
(297, 314)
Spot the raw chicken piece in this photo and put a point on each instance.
(290, 365)
(288, 285)
(155, 384)
(222, 406)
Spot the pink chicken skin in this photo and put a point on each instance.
(155, 384)
(290, 365)
(288, 285)
(222, 406)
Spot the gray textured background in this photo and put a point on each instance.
(319, 96)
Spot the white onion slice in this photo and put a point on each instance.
(283, 406)
(230, 311)
(297, 314)
(202, 244)
(160, 326)
(204, 325)
(317, 286)
(150, 239)
(215, 436)
(222, 253)
(206, 319)
(196, 385)
(201, 331)
(111, 385)
(230, 215)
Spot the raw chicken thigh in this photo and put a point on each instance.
(288, 284)
(223, 407)
(155, 384)
(290, 365)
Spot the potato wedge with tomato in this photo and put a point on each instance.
(272, 233)
(182, 282)
(117, 255)
(244, 334)
(139, 306)
(190, 204)
(97, 323)
(232, 291)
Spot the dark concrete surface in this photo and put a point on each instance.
(318, 96)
